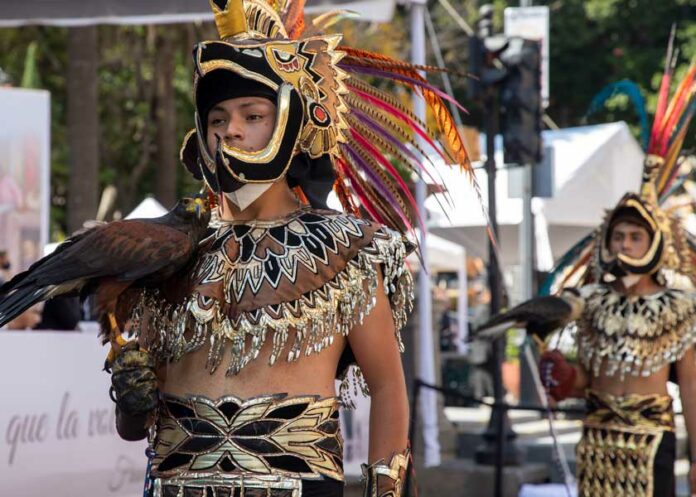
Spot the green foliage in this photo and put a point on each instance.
(597, 42)
(30, 78)
(593, 42)
(37, 56)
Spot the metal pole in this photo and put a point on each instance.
(497, 448)
(435, 45)
(526, 240)
(415, 395)
(526, 247)
(497, 421)
(426, 365)
(526, 234)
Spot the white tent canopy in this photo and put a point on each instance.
(81, 13)
(147, 209)
(594, 166)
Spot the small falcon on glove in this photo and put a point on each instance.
(540, 317)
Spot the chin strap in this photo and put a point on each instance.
(382, 479)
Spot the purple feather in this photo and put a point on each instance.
(390, 75)
(376, 181)
(365, 119)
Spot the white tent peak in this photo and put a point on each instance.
(593, 167)
(147, 209)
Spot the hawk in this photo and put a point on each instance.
(109, 259)
(539, 316)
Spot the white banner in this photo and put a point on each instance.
(24, 175)
(57, 420)
(57, 423)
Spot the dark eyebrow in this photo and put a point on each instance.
(251, 102)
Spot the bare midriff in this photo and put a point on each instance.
(309, 375)
(656, 383)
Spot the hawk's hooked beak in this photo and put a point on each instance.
(199, 206)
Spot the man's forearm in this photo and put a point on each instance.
(388, 423)
(688, 398)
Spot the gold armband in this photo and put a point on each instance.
(383, 479)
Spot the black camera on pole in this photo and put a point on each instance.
(520, 101)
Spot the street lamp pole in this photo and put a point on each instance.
(425, 367)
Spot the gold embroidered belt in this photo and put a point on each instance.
(265, 444)
(621, 435)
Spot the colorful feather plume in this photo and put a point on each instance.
(672, 119)
(632, 91)
(385, 143)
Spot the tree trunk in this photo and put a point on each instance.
(166, 159)
(83, 126)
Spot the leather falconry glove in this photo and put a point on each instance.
(557, 375)
(133, 380)
(383, 479)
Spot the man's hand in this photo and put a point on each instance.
(557, 376)
(692, 479)
(133, 381)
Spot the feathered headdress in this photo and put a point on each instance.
(663, 174)
(362, 129)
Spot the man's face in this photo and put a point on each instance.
(245, 123)
(629, 239)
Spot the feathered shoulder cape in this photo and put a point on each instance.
(634, 335)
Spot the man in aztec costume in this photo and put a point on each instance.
(626, 292)
(237, 339)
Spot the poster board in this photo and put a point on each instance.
(24, 174)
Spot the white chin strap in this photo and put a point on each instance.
(246, 195)
(630, 280)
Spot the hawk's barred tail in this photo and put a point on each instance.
(15, 302)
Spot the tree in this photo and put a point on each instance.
(592, 43)
(83, 125)
(166, 159)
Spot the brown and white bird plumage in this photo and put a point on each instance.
(540, 316)
(110, 258)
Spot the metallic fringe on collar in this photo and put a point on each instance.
(320, 315)
(635, 336)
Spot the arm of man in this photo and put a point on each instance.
(377, 353)
(133, 427)
(686, 372)
(582, 381)
(561, 378)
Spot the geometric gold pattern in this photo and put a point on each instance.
(294, 437)
(616, 462)
(634, 335)
(621, 436)
(298, 282)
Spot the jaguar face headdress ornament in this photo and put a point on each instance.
(641, 210)
(657, 206)
(333, 129)
(255, 55)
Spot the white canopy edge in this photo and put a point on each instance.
(368, 10)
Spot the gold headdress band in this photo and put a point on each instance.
(361, 129)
